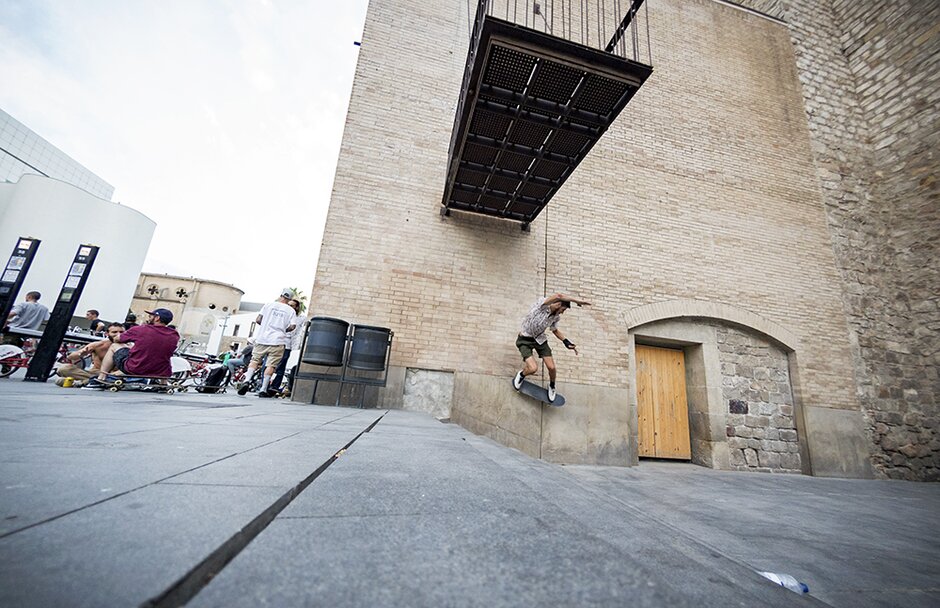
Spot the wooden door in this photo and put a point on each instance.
(661, 403)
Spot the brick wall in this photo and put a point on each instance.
(742, 173)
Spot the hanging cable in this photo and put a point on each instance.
(600, 37)
(649, 44)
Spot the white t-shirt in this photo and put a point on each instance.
(275, 319)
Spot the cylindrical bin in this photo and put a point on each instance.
(326, 341)
(369, 348)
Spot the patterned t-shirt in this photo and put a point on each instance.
(539, 319)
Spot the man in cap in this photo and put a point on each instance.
(276, 320)
(153, 345)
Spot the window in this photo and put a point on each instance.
(235, 331)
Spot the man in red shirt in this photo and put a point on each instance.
(153, 345)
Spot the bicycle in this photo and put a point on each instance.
(13, 357)
(199, 364)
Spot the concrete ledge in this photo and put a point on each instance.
(592, 428)
(488, 406)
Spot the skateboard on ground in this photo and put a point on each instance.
(155, 384)
(537, 392)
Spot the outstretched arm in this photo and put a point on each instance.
(560, 297)
(568, 343)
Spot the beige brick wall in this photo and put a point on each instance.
(704, 189)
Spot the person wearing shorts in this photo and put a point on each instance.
(275, 322)
(544, 315)
(96, 350)
(152, 346)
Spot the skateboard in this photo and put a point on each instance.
(537, 392)
(155, 384)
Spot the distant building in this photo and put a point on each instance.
(236, 329)
(198, 305)
(45, 194)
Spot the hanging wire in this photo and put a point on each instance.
(581, 20)
(600, 39)
(649, 45)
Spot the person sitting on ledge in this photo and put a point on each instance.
(149, 356)
(97, 350)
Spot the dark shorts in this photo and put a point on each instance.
(120, 358)
(527, 345)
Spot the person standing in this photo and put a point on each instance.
(294, 339)
(275, 321)
(543, 316)
(29, 314)
(96, 325)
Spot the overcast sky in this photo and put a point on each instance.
(220, 120)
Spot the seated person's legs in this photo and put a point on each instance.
(69, 370)
(114, 360)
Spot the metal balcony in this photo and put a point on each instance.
(532, 106)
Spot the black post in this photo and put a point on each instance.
(15, 273)
(40, 366)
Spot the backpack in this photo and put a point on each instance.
(214, 380)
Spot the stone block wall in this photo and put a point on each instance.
(756, 388)
(870, 73)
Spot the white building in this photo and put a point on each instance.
(22, 151)
(63, 217)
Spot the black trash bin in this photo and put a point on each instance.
(369, 348)
(326, 342)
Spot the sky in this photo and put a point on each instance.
(221, 120)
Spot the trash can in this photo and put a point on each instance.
(369, 348)
(326, 342)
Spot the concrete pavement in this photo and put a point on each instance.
(218, 500)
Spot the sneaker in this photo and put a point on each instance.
(243, 389)
(551, 394)
(265, 394)
(517, 381)
(94, 385)
(59, 381)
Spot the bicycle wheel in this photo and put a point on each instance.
(199, 375)
(6, 369)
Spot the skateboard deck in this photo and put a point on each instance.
(537, 392)
(156, 384)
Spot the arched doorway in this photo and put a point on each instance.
(733, 371)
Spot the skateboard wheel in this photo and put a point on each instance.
(169, 391)
(114, 389)
(118, 383)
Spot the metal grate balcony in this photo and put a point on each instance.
(531, 108)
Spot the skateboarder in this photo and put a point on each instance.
(544, 315)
